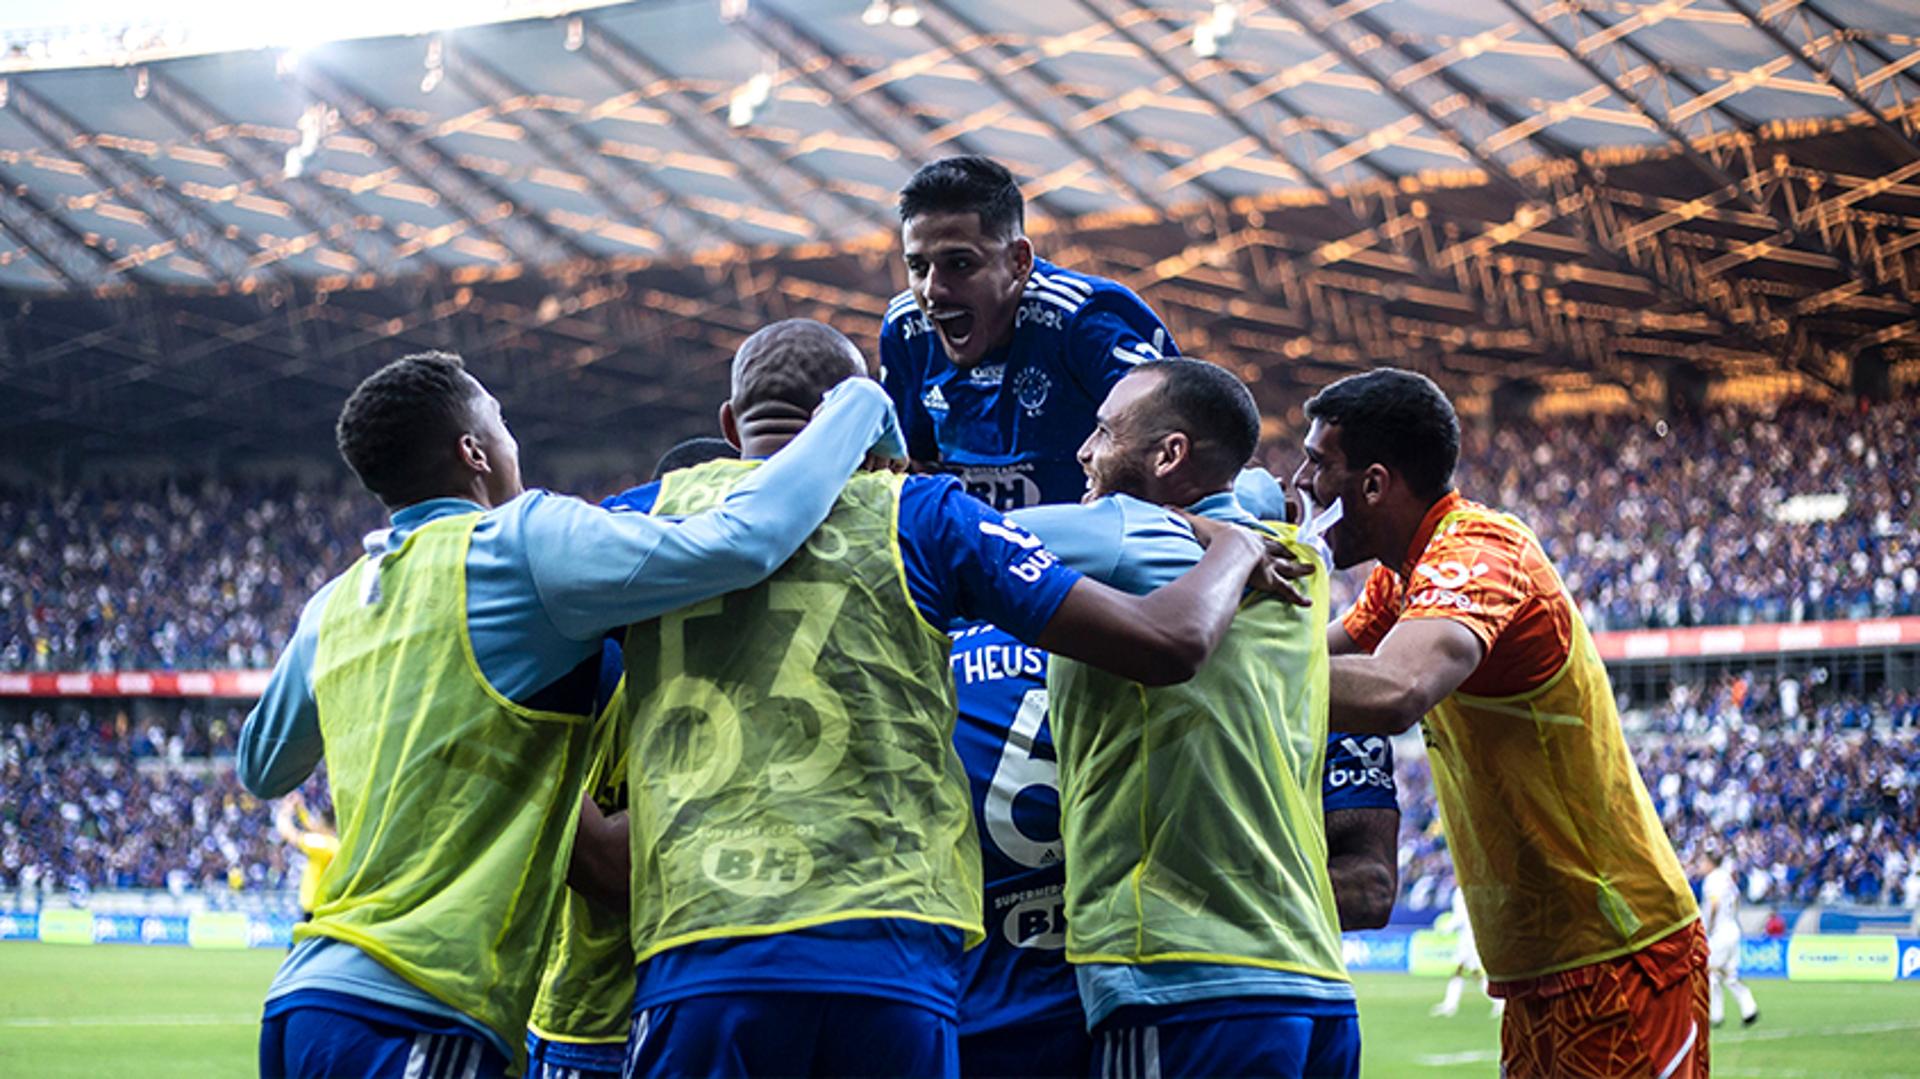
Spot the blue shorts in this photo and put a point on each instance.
(1135, 1042)
(755, 1034)
(361, 1040)
(1046, 1050)
(548, 1059)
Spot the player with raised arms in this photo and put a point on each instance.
(996, 358)
(1578, 903)
(805, 869)
(448, 680)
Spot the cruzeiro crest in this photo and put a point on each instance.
(1030, 388)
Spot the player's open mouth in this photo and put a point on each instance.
(956, 326)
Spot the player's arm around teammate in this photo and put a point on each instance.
(448, 677)
(1579, 903)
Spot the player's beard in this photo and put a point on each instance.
(1117, 475)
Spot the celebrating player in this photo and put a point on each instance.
(1579, 905)
(447, 678)
(804, 862)
(1720, 901)
(995, 358)
(1199, 910)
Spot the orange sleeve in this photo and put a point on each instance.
(1475, 575)
(1374, 613)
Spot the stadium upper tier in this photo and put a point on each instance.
(1810, 513)
(1587, 197)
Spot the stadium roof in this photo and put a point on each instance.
(1590, 198)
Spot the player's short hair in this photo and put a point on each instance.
(1396, 418)
(694, 451)
(398, 425)
(793, 362)
(967, 184)
(1214, 409)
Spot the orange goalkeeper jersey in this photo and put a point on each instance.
(1554, 839)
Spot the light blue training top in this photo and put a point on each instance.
(547, 577)
(1137, 546)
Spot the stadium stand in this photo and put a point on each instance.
(1680, 528)
(1827, 816)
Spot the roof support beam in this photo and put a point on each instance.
(529, 240)
(360, 239)
(148, 193)
(1821, 72)
(612, 185)
(45, 234)
(1038, 97)
(783, 182)
(878, 111)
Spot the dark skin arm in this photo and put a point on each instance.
(1417, 664)
(602, 859)
(1165, 636)
(1363, 860)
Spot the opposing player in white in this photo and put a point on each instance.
(1466, 960)
(1720, 909)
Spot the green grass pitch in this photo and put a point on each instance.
(163, 1012)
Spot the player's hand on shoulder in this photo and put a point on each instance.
(890, 444)
(1276, 566)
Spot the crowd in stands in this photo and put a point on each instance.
(105, 801)
(1823, 809)
(1712, 520)
(166, 576)
(1817, 813)
(1721, 519)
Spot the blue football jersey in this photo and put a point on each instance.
(1020, 975)
(1012, 424)
(1359, 773)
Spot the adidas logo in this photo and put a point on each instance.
(934, 401)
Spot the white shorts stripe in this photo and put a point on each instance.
(417, 1056)
(1152, 1051)
(1693, 1035)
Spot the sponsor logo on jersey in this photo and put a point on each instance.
(1003, 487)
(987, 374)
(1031, 387)
(1038, 560)
(1039, 314)
(1037, 918)
(1366, 768)
(1447, 578)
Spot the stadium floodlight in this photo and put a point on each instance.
(1205, 45)
(436, 69)
(745, 103)
(907, 14)
(576, 34)
(876, 13)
